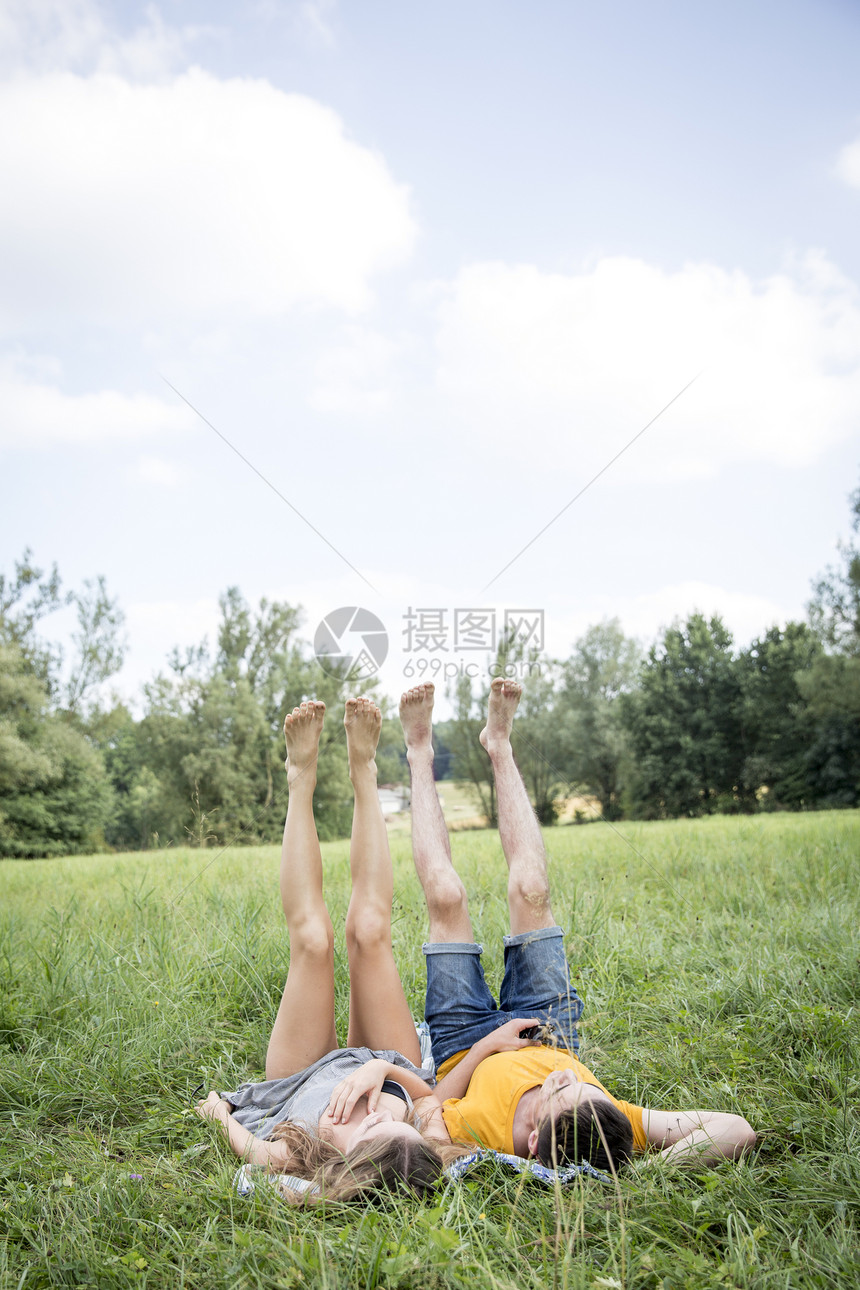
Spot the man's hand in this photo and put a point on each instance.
(368, 1079)
(508, 1038)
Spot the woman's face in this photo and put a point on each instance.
(379, 1125)
(362, 1127)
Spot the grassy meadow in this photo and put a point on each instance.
(718, 960)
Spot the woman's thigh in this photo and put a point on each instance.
(304, 1028)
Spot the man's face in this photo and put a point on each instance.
(562, 1091)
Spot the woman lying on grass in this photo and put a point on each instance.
(347, 1120)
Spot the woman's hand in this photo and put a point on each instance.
(214, 1108)
(368, 1079)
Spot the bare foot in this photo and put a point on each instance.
(504, 697)
(363, 722)
(416, 716)
(302, 730)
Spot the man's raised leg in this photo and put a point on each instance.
(536, 979)
(444, 892)
(522, 840)
(459, 1008)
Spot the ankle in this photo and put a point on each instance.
(302, 779)
(361, 772)
(420, 754)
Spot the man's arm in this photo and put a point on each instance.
(505, 1039)
(429, 1110)
(697, 1137)
(256, 1151)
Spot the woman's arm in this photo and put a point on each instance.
(505, 1039)
(256, 1151)
(369, 1079)
(697, 1137)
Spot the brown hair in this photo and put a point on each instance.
(597, 1132)
(388, 1164)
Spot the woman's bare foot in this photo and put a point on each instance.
(302, 730)
(504, 697)
(416, 717)
(363, 722)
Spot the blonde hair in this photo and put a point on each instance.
(383, 1165)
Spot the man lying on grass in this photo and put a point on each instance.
(530, 1096)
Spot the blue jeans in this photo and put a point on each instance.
(460, 1009)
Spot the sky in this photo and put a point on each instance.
(459, 313)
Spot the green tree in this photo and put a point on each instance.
(834, 610)
(831, 686)
(604, 665)
(469, 762)
(536, 746)
(54, 793)
(26, 598)
(212, 740)
(536, 740)
(779, 727)
(685, 725)
(99, 647)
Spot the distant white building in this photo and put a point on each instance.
(393, 798)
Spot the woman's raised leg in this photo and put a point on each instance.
(379, 1015)
(304, 1027)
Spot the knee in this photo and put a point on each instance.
(312, 938)
(369, 931)
(446, 898)
(530, 888)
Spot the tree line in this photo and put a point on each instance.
(691, 726)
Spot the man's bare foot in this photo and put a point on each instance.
(302, 730)
(416, 717)
(504, 697)
(363, 722)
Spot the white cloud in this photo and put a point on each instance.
(154, 470)
(186, 200)
(574, 365)
(34, 412)
(353, 376)
(848, 164)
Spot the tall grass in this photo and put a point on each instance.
(719, 964)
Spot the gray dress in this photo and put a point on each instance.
(304, 1097)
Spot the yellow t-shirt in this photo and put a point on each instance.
(486, 1114)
